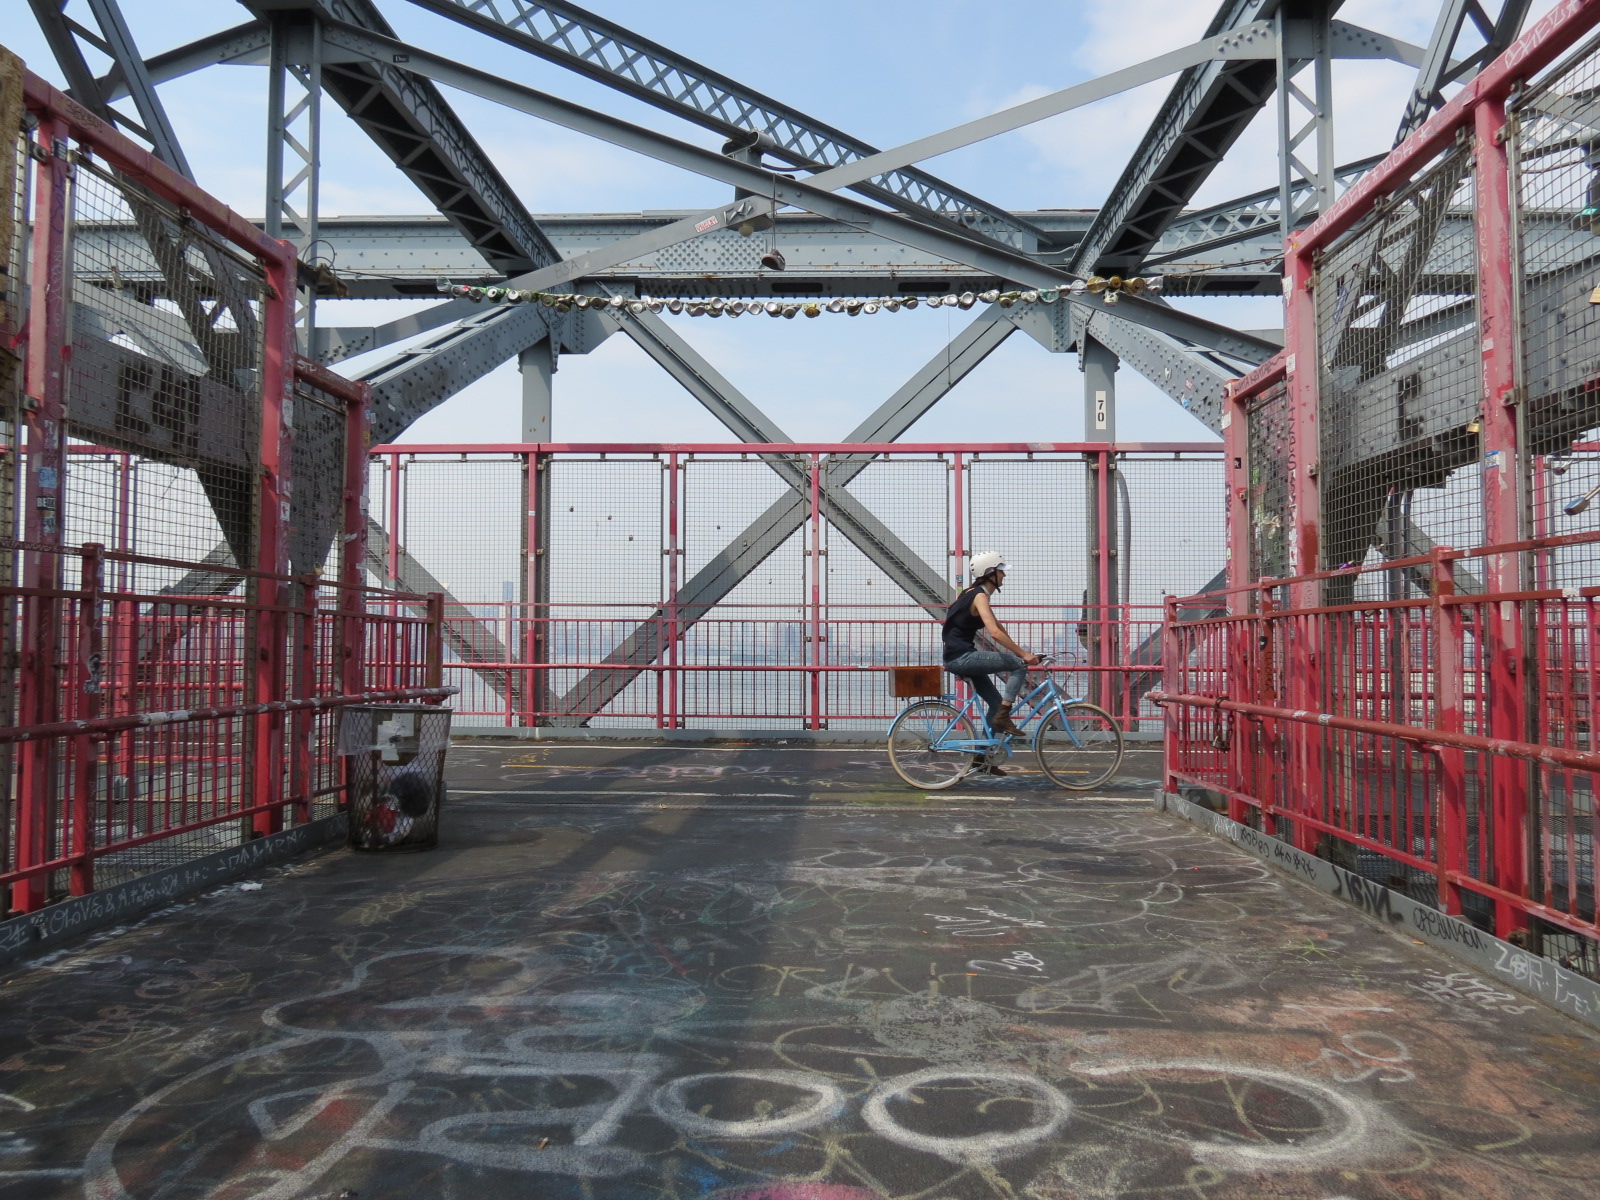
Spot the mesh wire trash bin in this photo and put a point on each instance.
(396, 761)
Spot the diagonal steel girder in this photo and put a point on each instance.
(619, 58)
(813, 195)
(713, 582)
(904, 567)
(1441, 65)
(1208, 108)
(471, 638)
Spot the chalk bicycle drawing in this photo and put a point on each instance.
(935, 744)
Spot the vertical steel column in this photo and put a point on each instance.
(1303, 655)
(39, 691)
(294, 155)
(817, 551)
(303, 722)
(674, 553)
(1303, 37)
(1500, 340)
(1099, 366)
(537, 365)
(272, 547)
(538, 631)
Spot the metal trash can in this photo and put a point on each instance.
(395, 756)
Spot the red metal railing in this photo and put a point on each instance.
(155, 706)
(1426, 719)
(1396, 750)
(585, 611)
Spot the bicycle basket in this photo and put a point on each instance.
(912, 682)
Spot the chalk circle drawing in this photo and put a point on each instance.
(1351, 1130)
(989, 1146)
(669, 1102)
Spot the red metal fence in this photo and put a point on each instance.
(173, 481)
(1400, 674)
(775, 586)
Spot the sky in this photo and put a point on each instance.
(887, 71)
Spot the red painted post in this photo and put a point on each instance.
(1449, 671)
(1171, 681)
(89, 681)
(272, 544)
(674, 684)
(1304, 650)
(433, 674)
(817, 552)
(48, 356)
(1500, 341)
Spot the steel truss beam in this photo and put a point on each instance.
(747, 550)
(411, 122)
(1446, 61)
(617, 57)
(984, 256)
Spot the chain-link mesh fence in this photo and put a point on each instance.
(1398, 358)
(702, 589)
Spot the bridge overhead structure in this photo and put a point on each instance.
(1399, 428)
(1400, 673)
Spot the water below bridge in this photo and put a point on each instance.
(773, 973)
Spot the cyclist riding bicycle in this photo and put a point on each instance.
(970, 613)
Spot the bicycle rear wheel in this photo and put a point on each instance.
(1081, 753)
(912, 738)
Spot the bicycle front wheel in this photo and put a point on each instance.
(1082, 752)
(913, 739)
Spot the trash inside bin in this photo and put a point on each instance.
(395, 757)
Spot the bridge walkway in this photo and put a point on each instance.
(772, 973)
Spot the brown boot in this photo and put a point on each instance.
(1001, 721)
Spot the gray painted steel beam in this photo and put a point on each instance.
(904, 567)
(246, 44)
(604, 51)
(984, 256)
(1208, 108)
(700, 594)
(1447, 61)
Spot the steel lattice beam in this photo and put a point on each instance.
(410, 121)
(986, 256)
(604, 51)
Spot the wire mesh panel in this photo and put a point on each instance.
(166, 364)
(1034, 511)
(606, 571)
(1398, 353)
(1556, 164)
(1269, 449)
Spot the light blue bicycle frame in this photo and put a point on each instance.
(1042, 699)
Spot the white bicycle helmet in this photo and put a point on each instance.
(983, 562)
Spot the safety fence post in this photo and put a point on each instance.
(1172, 681)
(674, 555)
(88, 679)
(815, 656)
(433, 674)
(1304, 651)
(1449, 640)
(272, 598)
(1500, 340)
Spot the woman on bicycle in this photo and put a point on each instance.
(970, 613)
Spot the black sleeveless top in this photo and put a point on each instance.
(961, 624)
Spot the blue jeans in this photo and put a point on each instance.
(978, 665)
